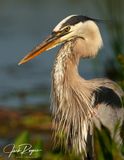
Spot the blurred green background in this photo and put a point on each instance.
(25, 90)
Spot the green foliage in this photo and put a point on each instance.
(113, 11)
(120, 59)
(36, 121)
(24, 137)
(60, 156)
(38, 146)
(105, 147)
(26, 149)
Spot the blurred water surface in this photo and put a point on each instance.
(25, 23)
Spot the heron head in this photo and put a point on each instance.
(74, 26)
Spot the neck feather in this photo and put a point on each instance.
(71, 106)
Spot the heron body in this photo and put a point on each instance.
(78, 103)
(84, 101)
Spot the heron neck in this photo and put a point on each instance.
(71, 100)
(68, 97)
(66, 64)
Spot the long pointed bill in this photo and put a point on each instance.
(49, 43)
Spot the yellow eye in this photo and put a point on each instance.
(66, 29)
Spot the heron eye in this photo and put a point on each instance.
(66, 29)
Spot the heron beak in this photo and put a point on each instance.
(49, 43)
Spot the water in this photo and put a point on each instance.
(24, 24)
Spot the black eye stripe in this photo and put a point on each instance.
(74, 20)
(79, 18)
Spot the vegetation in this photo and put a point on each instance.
(112, 11)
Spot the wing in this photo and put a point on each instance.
(107, 103)
(108, 84)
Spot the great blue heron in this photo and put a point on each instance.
(77, 102)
